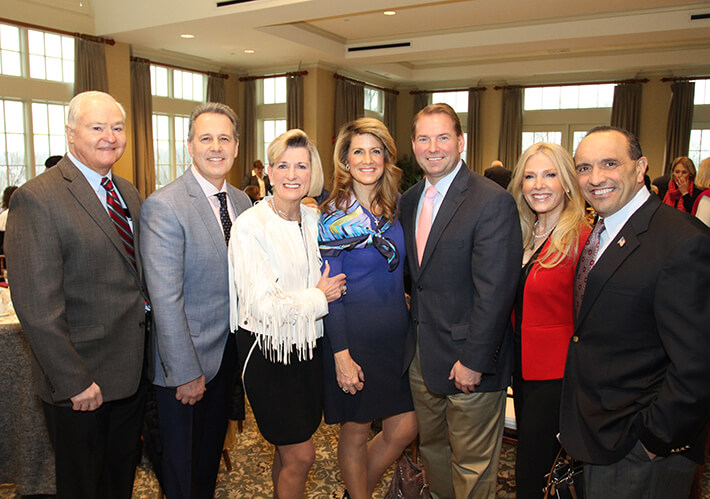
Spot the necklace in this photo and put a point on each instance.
(282, 214)
(542, 235)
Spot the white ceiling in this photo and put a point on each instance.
(452, 42)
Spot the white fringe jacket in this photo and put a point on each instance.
(274, 266)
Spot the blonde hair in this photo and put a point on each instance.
(298, 138)
(563, 241)
(703, 177)
(386, 188)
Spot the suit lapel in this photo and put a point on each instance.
(202, 207)
(449, 205)
(618, 250)
(81, 190)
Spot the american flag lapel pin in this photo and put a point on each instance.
(621, 242)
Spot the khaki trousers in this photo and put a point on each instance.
(460, 438)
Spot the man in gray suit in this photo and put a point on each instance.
(76, 287)
(184, 247)
(464, 250)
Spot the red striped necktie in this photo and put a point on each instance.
(119, 217)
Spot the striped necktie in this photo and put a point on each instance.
(119, 217)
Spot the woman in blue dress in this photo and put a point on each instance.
(364, 372)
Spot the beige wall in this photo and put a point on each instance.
(118, 63)
(234, 98)
(318, 115)
(655, 103)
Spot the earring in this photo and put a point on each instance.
(347, 166)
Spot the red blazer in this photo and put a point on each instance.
(548, 316)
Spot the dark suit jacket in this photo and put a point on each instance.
(463, 292)
(252, 180)
(499, 175)
(639, 369)
(78, 297)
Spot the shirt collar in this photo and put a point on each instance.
(613, 223)
(92, 176)
(442, 186)
(206, 185)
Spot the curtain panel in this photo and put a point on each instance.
(247, 141)
(216, 91)
(294, 102)
(89, 66)
(510, 142)
(626, 109)
(680, 122)
(390, 118)
(349, 103)
(473, 127)
(142, 112)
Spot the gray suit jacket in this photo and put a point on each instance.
(463, 292)
(186, 270)
(78, 297)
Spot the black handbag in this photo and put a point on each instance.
(565, 479)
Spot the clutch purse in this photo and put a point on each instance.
(565, 479)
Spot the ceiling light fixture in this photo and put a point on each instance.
(249, 51)
(187, 36)
(389, 12)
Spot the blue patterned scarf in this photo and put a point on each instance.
(352, 228)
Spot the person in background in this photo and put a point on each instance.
(681, 192)
(6, 195)
(51, 161)
(701, 208)
(253, 192)
(635, 393)
(278, 300)
(498, 173)
(464, 250)
(186, 229)
(258, 179)
(78, 292)
(366, 330)
(554, 226)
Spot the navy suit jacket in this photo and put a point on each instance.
(463, 292)
(637, 366)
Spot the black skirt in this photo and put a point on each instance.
(287, 400)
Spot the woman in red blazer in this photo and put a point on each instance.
(554, 227)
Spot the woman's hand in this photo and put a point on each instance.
(350, 376)
(683, 184)
(332, 287)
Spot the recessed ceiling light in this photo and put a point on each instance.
(187, 35)
(389, 12)
(249, 51)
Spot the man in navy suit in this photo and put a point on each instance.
(636, 396)
(184, 248)
(464, 251)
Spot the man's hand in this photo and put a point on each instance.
(192, 391)
(88, 400)
(465, 379)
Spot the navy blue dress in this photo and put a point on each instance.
(371, 320)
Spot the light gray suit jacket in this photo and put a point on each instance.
(185, 259)
(78, 297)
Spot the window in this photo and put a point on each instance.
(530, 138)
(48, 131)
(51, 56)
(12, 143)
(374, 103)
(569, 97)
(177, 84)
(10, 50)
(702, 92)
(170, 147)
(699, 145)
(270, 113)
(459, 102)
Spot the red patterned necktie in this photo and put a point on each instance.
(119, 217)
(586, 261)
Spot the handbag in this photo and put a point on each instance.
(408, 481)
(565, 479)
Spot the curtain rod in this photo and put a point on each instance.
(364, 84)
(100, 39)
(637, 80)
(264, 77)
(181, 68)
(684, 78)
(477, 89)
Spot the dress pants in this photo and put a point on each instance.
(637, 477)
(537, 413)
(96, 452)
(460, 438)
(192, 436)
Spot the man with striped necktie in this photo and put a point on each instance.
(78, 293)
